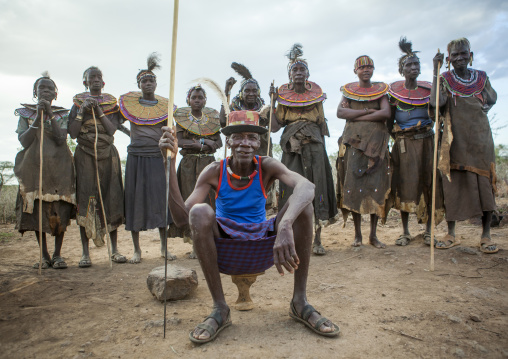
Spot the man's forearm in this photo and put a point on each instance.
(303, 194)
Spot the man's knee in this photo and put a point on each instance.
(201, 215)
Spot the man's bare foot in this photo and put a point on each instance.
(309, 316)
(192, 255)
(217, 320)
(377, 243)
(136, 258)
(171, 257)
(357, 242)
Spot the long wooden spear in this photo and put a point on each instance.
(434, 173)
(108, 238)
(170, 154)
(270, 123)
(226, 145)
(40, 192)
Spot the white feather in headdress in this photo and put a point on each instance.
(215, 88)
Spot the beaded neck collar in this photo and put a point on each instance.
(249, 177)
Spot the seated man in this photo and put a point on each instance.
(238, 239)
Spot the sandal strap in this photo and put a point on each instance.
(215, 315)
(320, 322)
(307, 312)
(207, 327)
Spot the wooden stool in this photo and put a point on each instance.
(243, 283)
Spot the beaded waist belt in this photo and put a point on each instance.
(200, 154)
(418, 136)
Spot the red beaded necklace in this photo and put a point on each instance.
(249, 177)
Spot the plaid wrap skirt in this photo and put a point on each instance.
(246, 248)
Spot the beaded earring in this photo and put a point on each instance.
(471, 60)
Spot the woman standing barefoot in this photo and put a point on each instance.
(145, 178)
(363, 164)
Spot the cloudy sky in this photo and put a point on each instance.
(66, 36)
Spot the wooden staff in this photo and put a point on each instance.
(40, 192)
(270, 123)
(434, 174)
(108, 239)
(170, 154)
(227, 119)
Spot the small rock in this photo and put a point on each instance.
(154, 323)
(105, 339)
(65, 344)
(454, 319)
(174, 320)
(481, 348)
(454, 261)
(137, 305)
(383, 295)
(475, 318)
(180, 282)
(81, 350)
(204, 350)
(459, 352)
(410, 263)
(356, 249)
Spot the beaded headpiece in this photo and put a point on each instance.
(294, 56)
(407, 48)
(189, 93)
(243, 71)
(363, 60)
(152, 63)
(243, 121)
(44, 76)
(85, 75)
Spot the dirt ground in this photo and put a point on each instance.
(386, 302)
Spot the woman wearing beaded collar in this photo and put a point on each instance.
(363, 164)
(248, 99)
(147, 112)
(300, 111)
(59, 182)
(413, 150)
(82, 126)
(197, 130)
(467, 157)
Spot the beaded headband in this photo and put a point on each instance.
(248, 81)
(189, 93)
(363, 61)
(299, 61)
(145, 73)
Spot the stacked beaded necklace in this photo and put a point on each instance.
(249, 177)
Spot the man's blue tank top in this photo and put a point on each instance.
(242, 205)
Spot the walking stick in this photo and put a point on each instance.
(270, 123)
(40, 192)
(226, 145)
(170, 154)
(434, 175)
(108, 238)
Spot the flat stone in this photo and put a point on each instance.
(459, 352)
(454, 319)
(454, 261)
(475, 318)
(180, 283)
